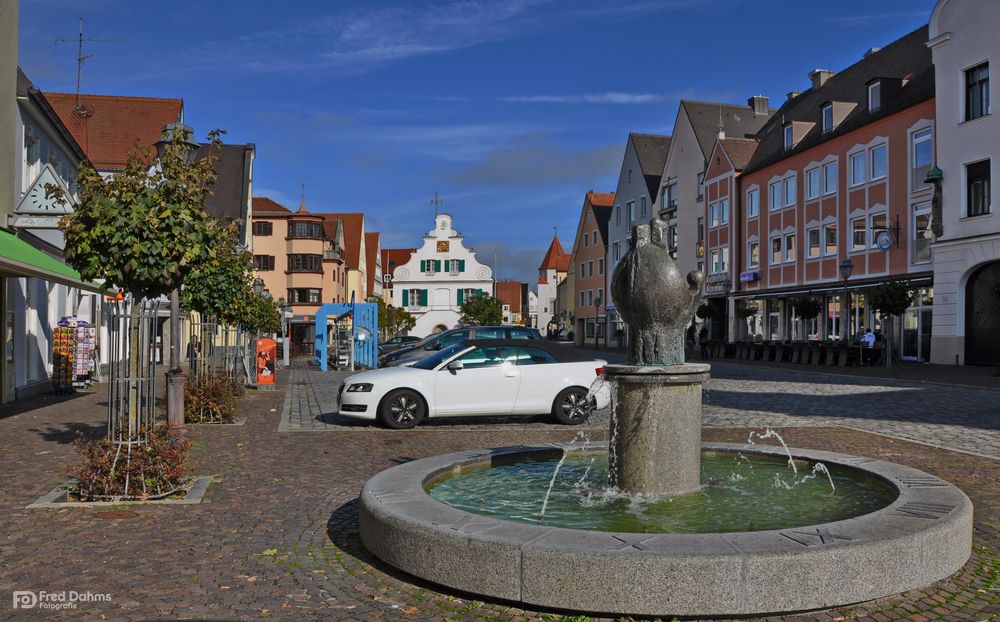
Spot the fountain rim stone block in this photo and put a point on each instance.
(923, 536)
(682, 373)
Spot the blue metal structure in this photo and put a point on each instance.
(365, 316)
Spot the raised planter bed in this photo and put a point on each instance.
(62, 497)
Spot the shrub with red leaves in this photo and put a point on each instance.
(108, 469)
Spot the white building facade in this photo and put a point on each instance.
(967, 246)
(439, 277)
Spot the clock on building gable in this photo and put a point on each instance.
(442, 247)
(36, 202)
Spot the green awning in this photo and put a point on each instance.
(20, 259)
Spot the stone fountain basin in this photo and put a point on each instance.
(925, 535)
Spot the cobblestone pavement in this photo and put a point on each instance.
(277, 538)
(954, 417)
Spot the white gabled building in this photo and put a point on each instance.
(438, 278)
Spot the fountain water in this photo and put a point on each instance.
(675, 526)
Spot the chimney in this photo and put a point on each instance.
(870, 51)
(820, 76)
(793, 94)
(759, 103)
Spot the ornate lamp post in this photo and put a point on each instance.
(846, 268)
(175, 375)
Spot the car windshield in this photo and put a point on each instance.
(439, 357)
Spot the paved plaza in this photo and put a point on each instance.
(277, 537)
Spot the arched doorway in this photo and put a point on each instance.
(440, 328)
(982, 316)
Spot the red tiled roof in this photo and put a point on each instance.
(372, 250)
(110, 124)
(603, 199)
(555, 258)
(509, 293)
(263, 205)
(354, 226)
(392, 258)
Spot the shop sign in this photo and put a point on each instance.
(750, 276)
(718, 284)
(266, 350)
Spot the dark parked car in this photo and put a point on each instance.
(396, 343)
(438, 341)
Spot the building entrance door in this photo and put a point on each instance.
(982, 316)
(916, 335)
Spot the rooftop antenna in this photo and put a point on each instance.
(302, 201)
(80, 58)
(436, 202)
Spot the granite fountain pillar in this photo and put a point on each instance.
(656, 397)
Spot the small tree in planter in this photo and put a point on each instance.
(890, 300)
(745, 312)
(807, 308)
(142, 231)
(705, 311)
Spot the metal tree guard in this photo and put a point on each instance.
(132, 387)
(203, 355)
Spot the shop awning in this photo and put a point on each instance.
(20, 259)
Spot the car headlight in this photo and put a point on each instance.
(360, 387)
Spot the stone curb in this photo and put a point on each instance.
(56, 498)
(923, 536)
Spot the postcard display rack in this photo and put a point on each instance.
(73, 344)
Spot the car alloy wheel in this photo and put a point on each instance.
(572, 406)
(402, 409)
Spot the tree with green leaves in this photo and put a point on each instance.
(392, 320)
(259, 314)
(220, 287)
(890, 299)
(143, 230)
(482, 310)
(807, 307)
(705, 311)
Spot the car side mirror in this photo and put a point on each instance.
(454, 366)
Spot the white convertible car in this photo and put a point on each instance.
(488, 377)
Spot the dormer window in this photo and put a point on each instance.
(789, 142)
(874, 96)
(827, 118)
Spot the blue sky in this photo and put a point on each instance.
(511, 109)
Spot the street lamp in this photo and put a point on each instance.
(175, 375)
(846, 268)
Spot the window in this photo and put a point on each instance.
(789, 191)
(630, 208)
(789, 135)
(790, 247)
(302, 295)
(489, 356)
(859, 239)
(701, 184)
(720, 260)
(921, 245)
(263, 228)
(879, 162)
(600, 266)
(305, 263)
(828, 118)
(600, 296)
(616, 252)
(262, 263)
(299, 229)
(812, 183)
(753, 254)
(670, 192)
(719, 212)
(642, 204)
(594, 238)
(618, 214)
(521, 333)
(586, 240)
(829, 178)
(701, 229)
(630, 176)
(583, 299)
(812, 236)
(583, 268)
(430, 266)
(590, 268)
(753, 203)
(590, 298)
(977, 92)
(468, 293)
(857, 169)
(775, 251)
(774, 196)
(830, 239)
(978, 188)
(874, 96)
(923, 157)
(534, 356)
(878, 224)
(672, 238)
(456, 266)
